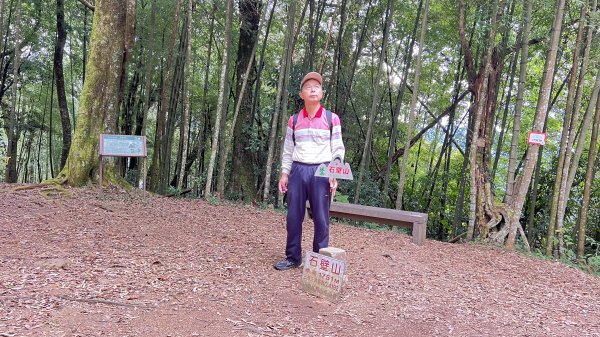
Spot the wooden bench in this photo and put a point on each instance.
(387, 216)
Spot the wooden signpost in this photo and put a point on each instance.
(123, 146)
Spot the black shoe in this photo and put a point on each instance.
(286, 264)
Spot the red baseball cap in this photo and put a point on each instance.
(313, 75)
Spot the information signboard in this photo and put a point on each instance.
(123, 146)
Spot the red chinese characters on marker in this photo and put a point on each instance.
(335, 268)
(323, 275)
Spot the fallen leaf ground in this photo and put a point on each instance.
(106, 262)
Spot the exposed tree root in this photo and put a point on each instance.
(55, 191)
(43, 185)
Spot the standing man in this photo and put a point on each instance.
(313, 137)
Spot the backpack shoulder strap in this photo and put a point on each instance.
(294, 121)
(329, 115)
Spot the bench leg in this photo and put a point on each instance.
(419, 232)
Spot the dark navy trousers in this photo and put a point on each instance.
(302, 186)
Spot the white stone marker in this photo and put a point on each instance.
(323, 274)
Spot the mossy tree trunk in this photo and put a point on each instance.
(243, 162)
(99, 102)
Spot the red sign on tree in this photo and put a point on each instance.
(537, 138)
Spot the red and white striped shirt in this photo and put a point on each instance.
(315, 143)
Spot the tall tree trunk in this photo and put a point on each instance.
(533, 194)
(262, 137)
(413, 105)
(148, 68)
(408, 55)
(507, 103)
(339, 55)
(243, 178)
(61, 38)
(364, 162)
(447, 164)
(541, 112)
(343, 102)
(12, 133)
(51, 129)
(223, 97)
(282, 90)
(314, 25)
(72, 80)
(575, 135)
(206, 105)
(1, 20)
(183, 137)
(26, 151)
(20, 130)
(141, 91)
(85, 43)
(175, 105)
(127, 49)
(563, 152)
(589, 177)
(40, 135)
(516, 130)
(479, 85)
(574, 165)
(325, 55)
(98, 102)
(159, 157)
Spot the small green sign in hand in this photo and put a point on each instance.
(335, 169)
(322, 170)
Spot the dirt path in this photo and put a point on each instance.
(111, 263)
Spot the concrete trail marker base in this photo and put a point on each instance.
(323, 275)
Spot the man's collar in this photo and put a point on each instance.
(317, 115)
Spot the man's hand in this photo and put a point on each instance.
(332, 186)
(283, 183)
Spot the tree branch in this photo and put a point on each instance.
(88, 5)
(460, 98)
(469, 65)
(400, 152)
(530, 43)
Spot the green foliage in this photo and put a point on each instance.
(590, 262)
(593, 263)
(172, 190)
(132, 177)
(213, 199)
(339, 197)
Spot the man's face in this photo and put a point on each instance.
(311, 92)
